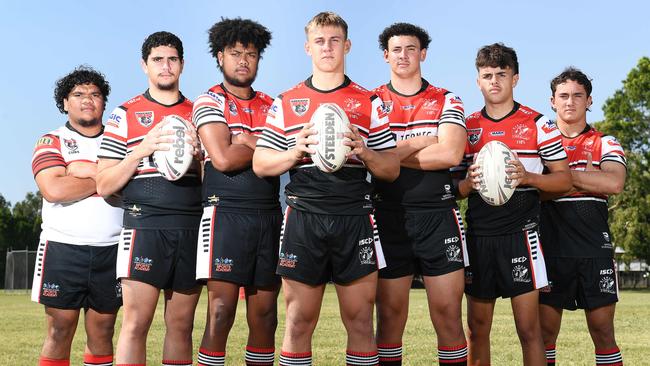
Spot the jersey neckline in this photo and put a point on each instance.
(584, 130)
(69, 126)
(253, 94)
(515, 108)
(425, 85)
(310, 85)
(148, 96)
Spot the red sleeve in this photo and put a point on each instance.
(47, 154)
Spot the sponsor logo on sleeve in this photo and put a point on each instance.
(549, 126)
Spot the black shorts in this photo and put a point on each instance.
(165, 259)
(68, 276)
(580, 283)
(317, 248)
(427, 243)
(239, 246)
(505, 265)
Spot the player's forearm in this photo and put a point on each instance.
(382, 165)
(598, 182)
(272, 163)
(67, 189)
(111, 180)
(435, 157)
(555, 182)
(233, 157)
(464, 188)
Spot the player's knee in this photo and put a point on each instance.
(358, 323)
(300, 325)
(222, 316)
(603, 336)
(529, 334)
(61, 332)
(266, 319)
(101, 331)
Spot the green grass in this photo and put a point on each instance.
(23, 329)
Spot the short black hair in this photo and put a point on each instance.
(571, 73)
(227, 32)
(497, 55)
(161, 39)
(81, 75)
(404, 29)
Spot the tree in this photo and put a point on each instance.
(627, 117)
(27, 221)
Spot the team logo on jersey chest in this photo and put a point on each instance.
(264, 109)
(474, 135)
(299, 106)
(223, 264)
(430, 106)
(521, 131)
(387, 106)
(232, 107)
(72, 146)
(351, 107)
(144, 118)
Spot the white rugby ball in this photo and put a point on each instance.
(496, 186)
(332, 123)
(172, 164)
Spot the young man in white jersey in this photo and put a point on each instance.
(75, 265)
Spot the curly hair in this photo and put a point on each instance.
(228, 32)
(161, 39)
(81, 75)
(497, 55)
(404, 29)
(574, 74)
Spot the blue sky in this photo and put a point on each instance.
(45, 40)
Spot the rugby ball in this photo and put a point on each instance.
(496, 186)
(332, 123)
(172, 164)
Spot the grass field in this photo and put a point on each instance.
(23, 328)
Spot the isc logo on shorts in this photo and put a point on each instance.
(451, 240)
(366, 241)
(142, 264)
(288, 260)
(519, 260)
(606, 271)
(51, 290)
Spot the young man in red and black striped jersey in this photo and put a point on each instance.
(75, 265)
(242, 216)
(577, 242)
(329, 232)
(505, 253)
(158, 242)
(420, 226)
